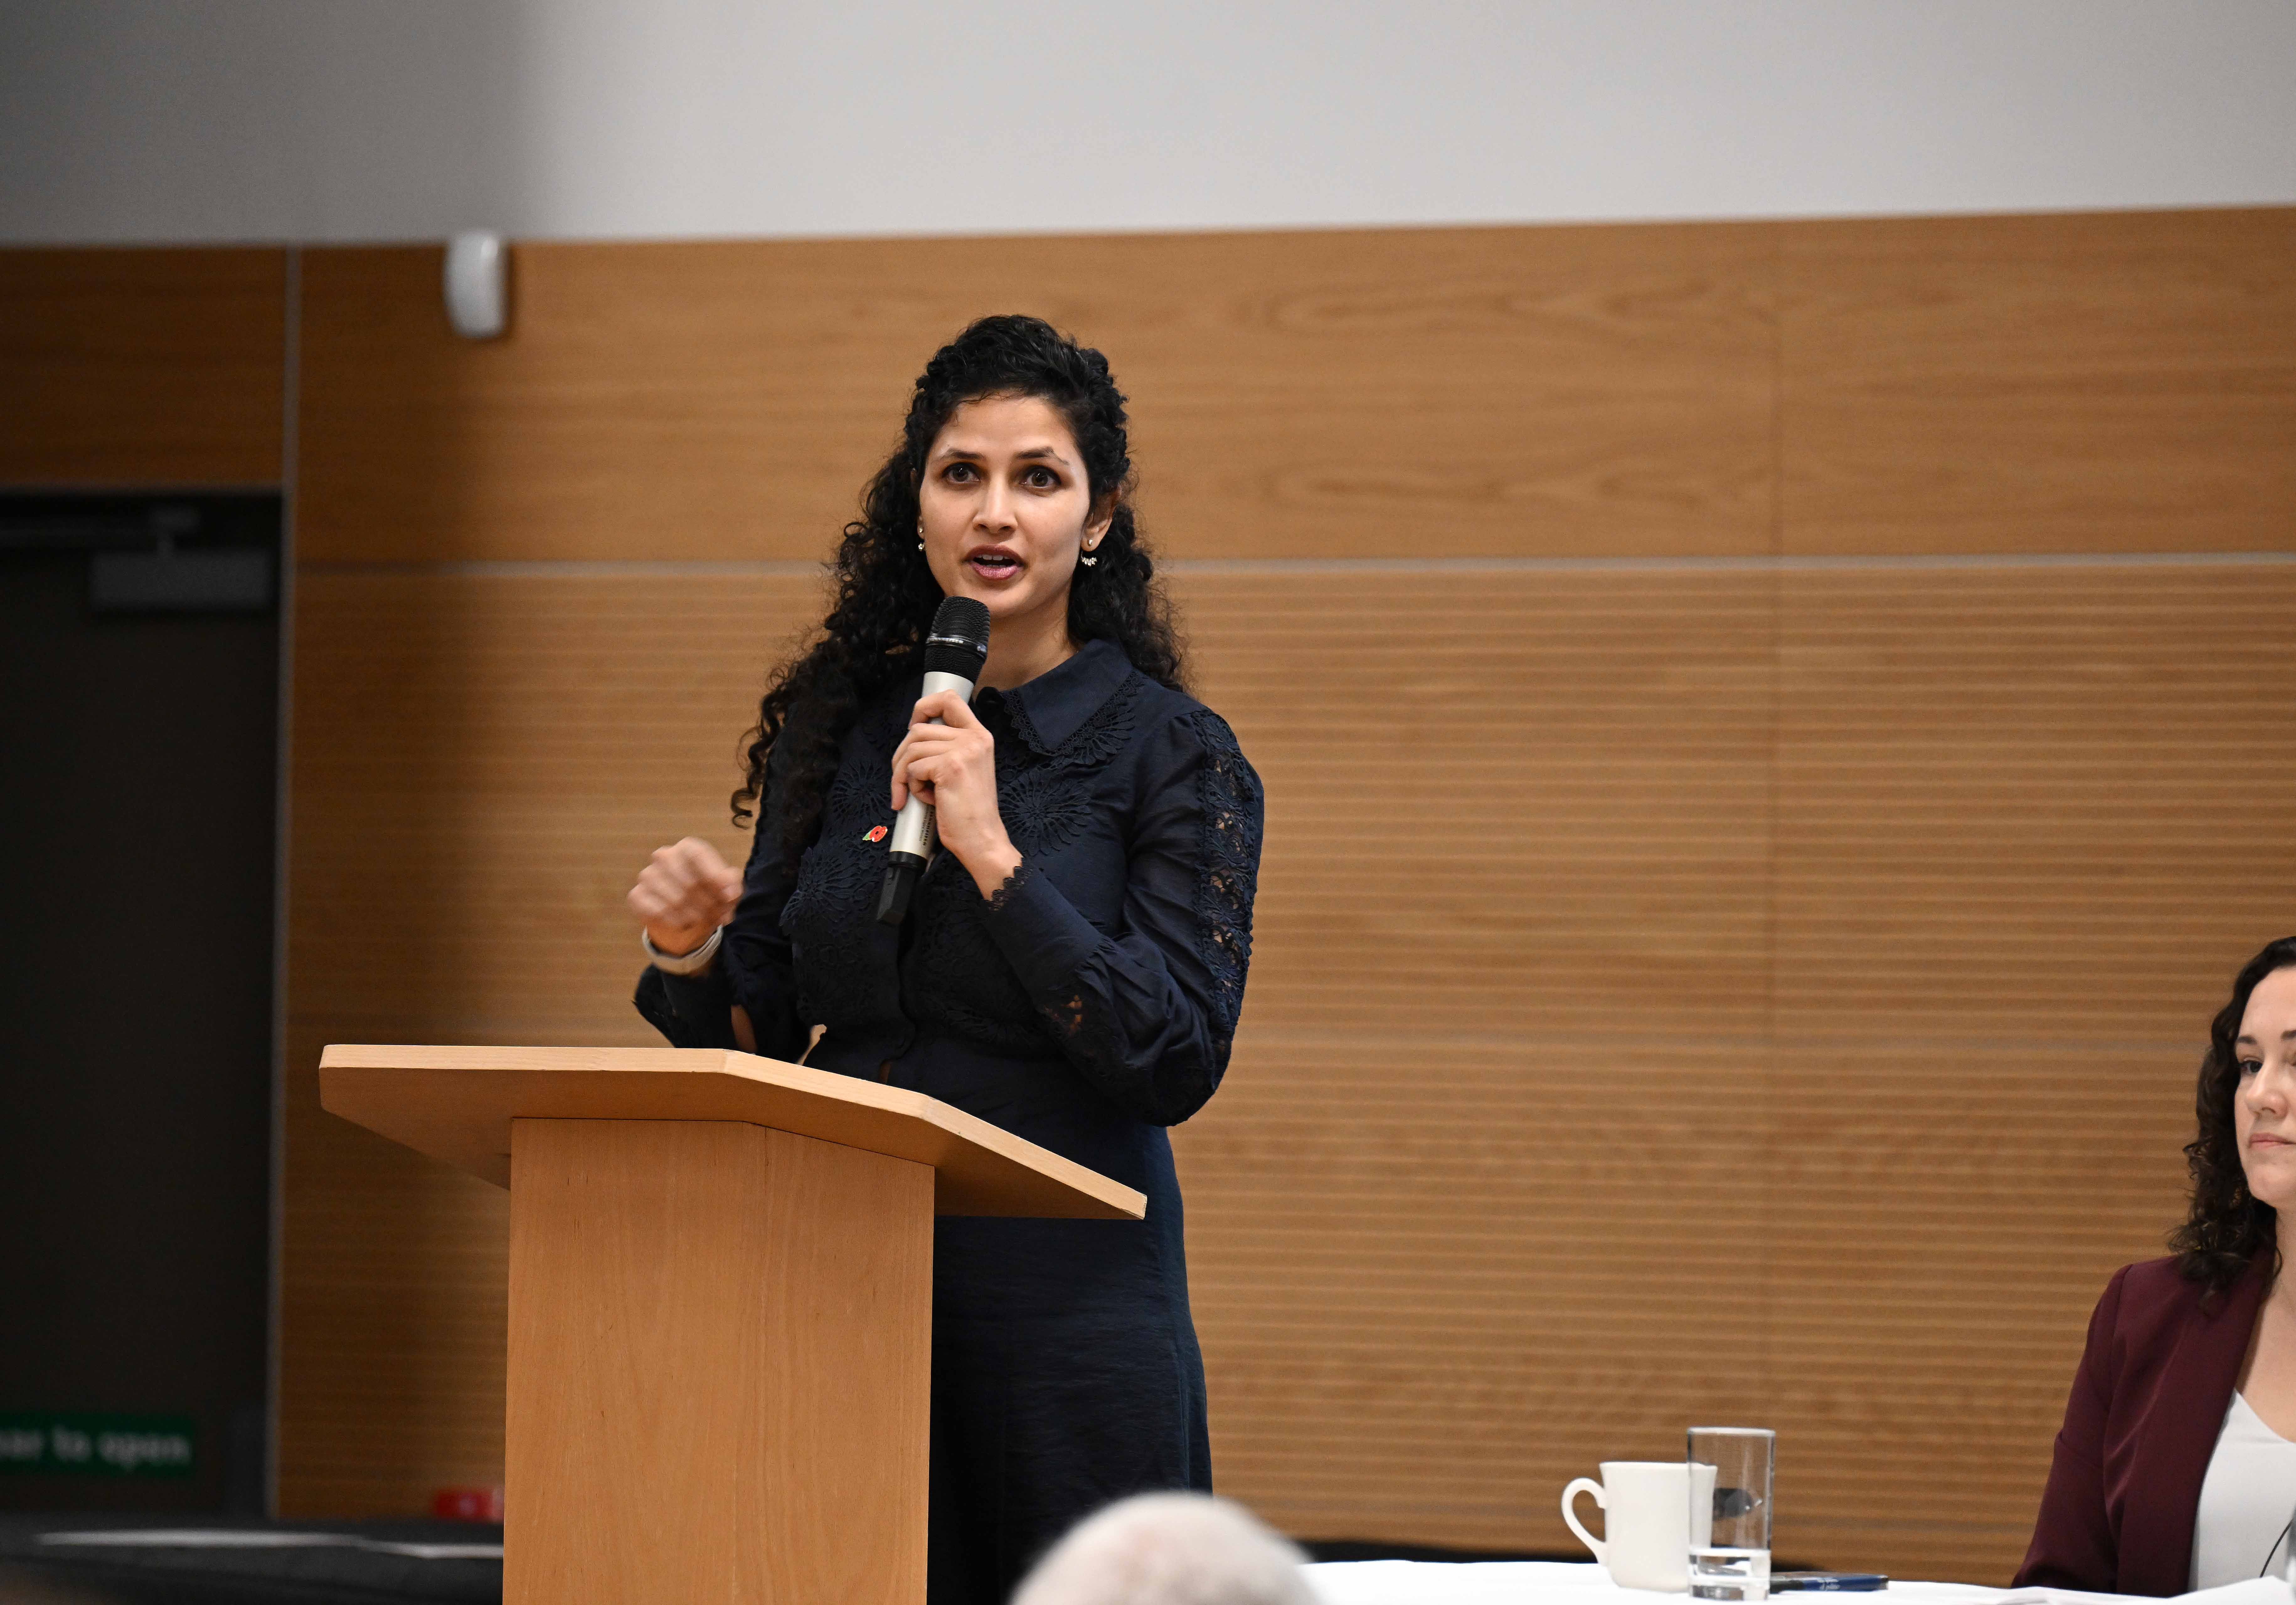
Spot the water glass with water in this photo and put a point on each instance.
(1733, 1563)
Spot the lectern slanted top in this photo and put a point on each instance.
(721, 1305)
(456, 1104)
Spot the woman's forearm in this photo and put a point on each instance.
(991, 867)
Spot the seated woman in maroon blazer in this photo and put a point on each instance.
(2175, 1469)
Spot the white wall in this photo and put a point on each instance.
(334, 120)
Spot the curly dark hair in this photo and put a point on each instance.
(2226, 1228)
(886, 593)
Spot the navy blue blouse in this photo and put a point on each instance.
(1086, 1006)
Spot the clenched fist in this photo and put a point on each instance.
(687, 892)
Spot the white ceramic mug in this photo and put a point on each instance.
(1647, 1503)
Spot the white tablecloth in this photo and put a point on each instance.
(1556, 1583)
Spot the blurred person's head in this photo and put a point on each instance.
(1168, 1549)
(2243, 1156)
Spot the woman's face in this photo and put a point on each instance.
(1007, 507)
(2264, 1108)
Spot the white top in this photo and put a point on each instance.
(2245, 1502)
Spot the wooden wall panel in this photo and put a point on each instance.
(1941, 1218)
(393, 1313)
(506, 745)
(1437, 1276)
(135, 368)
(480, 766)
(2031, 804)
(1416, 393)
(2106, 382)
(1442, 1213)
(1517, 838)
(1503, 803)
(1842, 929)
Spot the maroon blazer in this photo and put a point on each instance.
(2147, 1406)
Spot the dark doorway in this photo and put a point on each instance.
(139, 716)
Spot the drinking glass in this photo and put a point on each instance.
(1733, 1561)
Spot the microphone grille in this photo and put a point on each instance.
(959, 639)
(965, 618)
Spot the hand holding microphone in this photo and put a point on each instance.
(946, 762)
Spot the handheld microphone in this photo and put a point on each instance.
(954, 653)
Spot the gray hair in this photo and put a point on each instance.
(1169, 1549)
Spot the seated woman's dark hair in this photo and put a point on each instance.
(886, 592)
(2227, 1229)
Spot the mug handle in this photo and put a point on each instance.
(1570, 1492)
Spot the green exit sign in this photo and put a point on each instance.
(49, 1443)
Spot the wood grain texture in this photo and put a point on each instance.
(1502, 802)
(1433, 1270)
(1866, 915)
(462, 744)
(1941, 1219)
(1434, 1278)
(134, 368)
(1428, 1298)
(517, 744)
(460, 1105)
(394, 1306)
(2030, 804)
(2108, 382)
(720, 1367)
(1469, 391)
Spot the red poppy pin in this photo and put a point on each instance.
(876, 833)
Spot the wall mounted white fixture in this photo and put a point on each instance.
(478, 285)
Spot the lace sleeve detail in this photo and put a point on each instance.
(1143, 1001)
(1228, 875)
(1009, 886)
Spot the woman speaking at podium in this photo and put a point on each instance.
(1072, 962)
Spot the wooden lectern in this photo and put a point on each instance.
(721, 1305)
